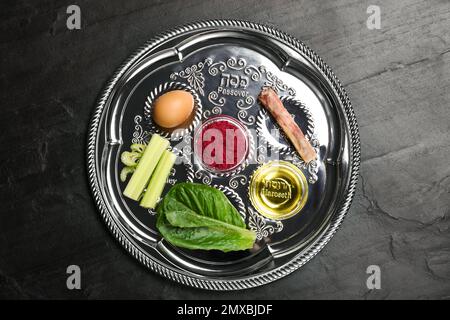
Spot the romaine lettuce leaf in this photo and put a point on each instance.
(197, 216)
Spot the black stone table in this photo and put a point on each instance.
(398, 78)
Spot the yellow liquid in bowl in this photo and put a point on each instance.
(278, 190)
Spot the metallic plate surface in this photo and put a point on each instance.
(225, 63)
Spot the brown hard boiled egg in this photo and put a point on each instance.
(173, 108)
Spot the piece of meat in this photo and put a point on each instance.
(270, 100)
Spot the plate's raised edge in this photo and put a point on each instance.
(249, 281)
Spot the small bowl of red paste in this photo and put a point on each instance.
(221, 144)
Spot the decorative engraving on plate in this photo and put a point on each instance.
(214, 111)
(275, 82)
(172, 180)
(235, 64)
(183, 150)
(263, 227)
(312, 167)
(246, 118)
(194, 75)
(234, 85)
(190, 171)
(184, 147)
(203, 175)
(187, 148)
(261, 152)
(214, 98)
(139, 134)
(244, 104)
(184, 159)
(236, 180)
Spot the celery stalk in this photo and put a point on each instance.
(158, 180)
(145, 167)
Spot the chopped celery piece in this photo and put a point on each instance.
(125, 172)
(130, 159)
(145, 167)
(158, 180)
(137, 147)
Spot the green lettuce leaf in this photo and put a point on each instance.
(197, 216)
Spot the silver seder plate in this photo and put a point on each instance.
(224, 64)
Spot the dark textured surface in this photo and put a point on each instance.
(398, 79)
